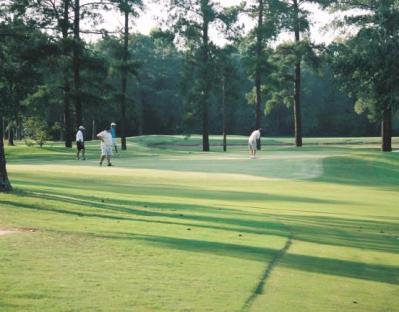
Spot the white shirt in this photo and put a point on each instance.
(255, 135)
(106, 138)
(79, 136)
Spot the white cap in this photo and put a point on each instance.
(82, 128)
(113, 124)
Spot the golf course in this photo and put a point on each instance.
(172, 228)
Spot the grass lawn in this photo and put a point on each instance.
(170, 228)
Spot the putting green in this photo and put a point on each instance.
(170, 228)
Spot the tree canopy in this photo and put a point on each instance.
(178, 79)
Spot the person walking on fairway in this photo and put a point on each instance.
(106, 145)
(80, 143)
(255, 135)
(113, 133)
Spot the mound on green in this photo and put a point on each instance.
(173, 229)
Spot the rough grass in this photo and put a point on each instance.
(170, 228)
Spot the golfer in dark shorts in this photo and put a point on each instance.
(80, 143)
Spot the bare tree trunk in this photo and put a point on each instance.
(386, 131)
(93, 130)
(205, 81)
(11, 136)
(67, 110)
(3, 129)
(224, 116)
(66, 87)
(297, 97)
(67, 115)
(124, 80)
(61, 134)
(140, 113)
(5, 185)
(258, 80)
(76, 63)
(19, 129)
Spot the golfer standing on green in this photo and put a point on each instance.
(80, 143)
(106, 145)
(255, 135)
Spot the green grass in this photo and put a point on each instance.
(171, 228)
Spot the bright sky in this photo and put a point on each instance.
(148, 20)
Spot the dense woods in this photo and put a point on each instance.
(178, 80)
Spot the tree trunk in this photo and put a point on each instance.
(258, 80)
(3, 129)
(62, 131)
(66, 87)
(124, 80)
(205, 80)
(93, 130)
(224, 116)
(5, 185)
(297, 96)
(76, 63)
(19, 129)
(140, 113)
(205, 123)
(11, 136)
(297, 106)
(386, 131)
(67, 114)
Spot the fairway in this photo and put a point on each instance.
(170, 228)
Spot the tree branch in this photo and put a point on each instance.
(99, 32)
(98, 3)
(53, 5)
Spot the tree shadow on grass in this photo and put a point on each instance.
(335, 267)
(266, 227)
(356, 233)
(324, 230)
(344, 232)
(173, 191)
(327, 230)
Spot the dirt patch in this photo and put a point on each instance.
(6, 232)
(14, 231)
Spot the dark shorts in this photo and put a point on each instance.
(80, 145)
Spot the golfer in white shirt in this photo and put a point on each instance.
(106, 145)
(255, 135)
(80, 143)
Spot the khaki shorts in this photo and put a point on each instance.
(106, 150)
(252, 145)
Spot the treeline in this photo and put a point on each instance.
(177, 81)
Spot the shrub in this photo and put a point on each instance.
(35, 129)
